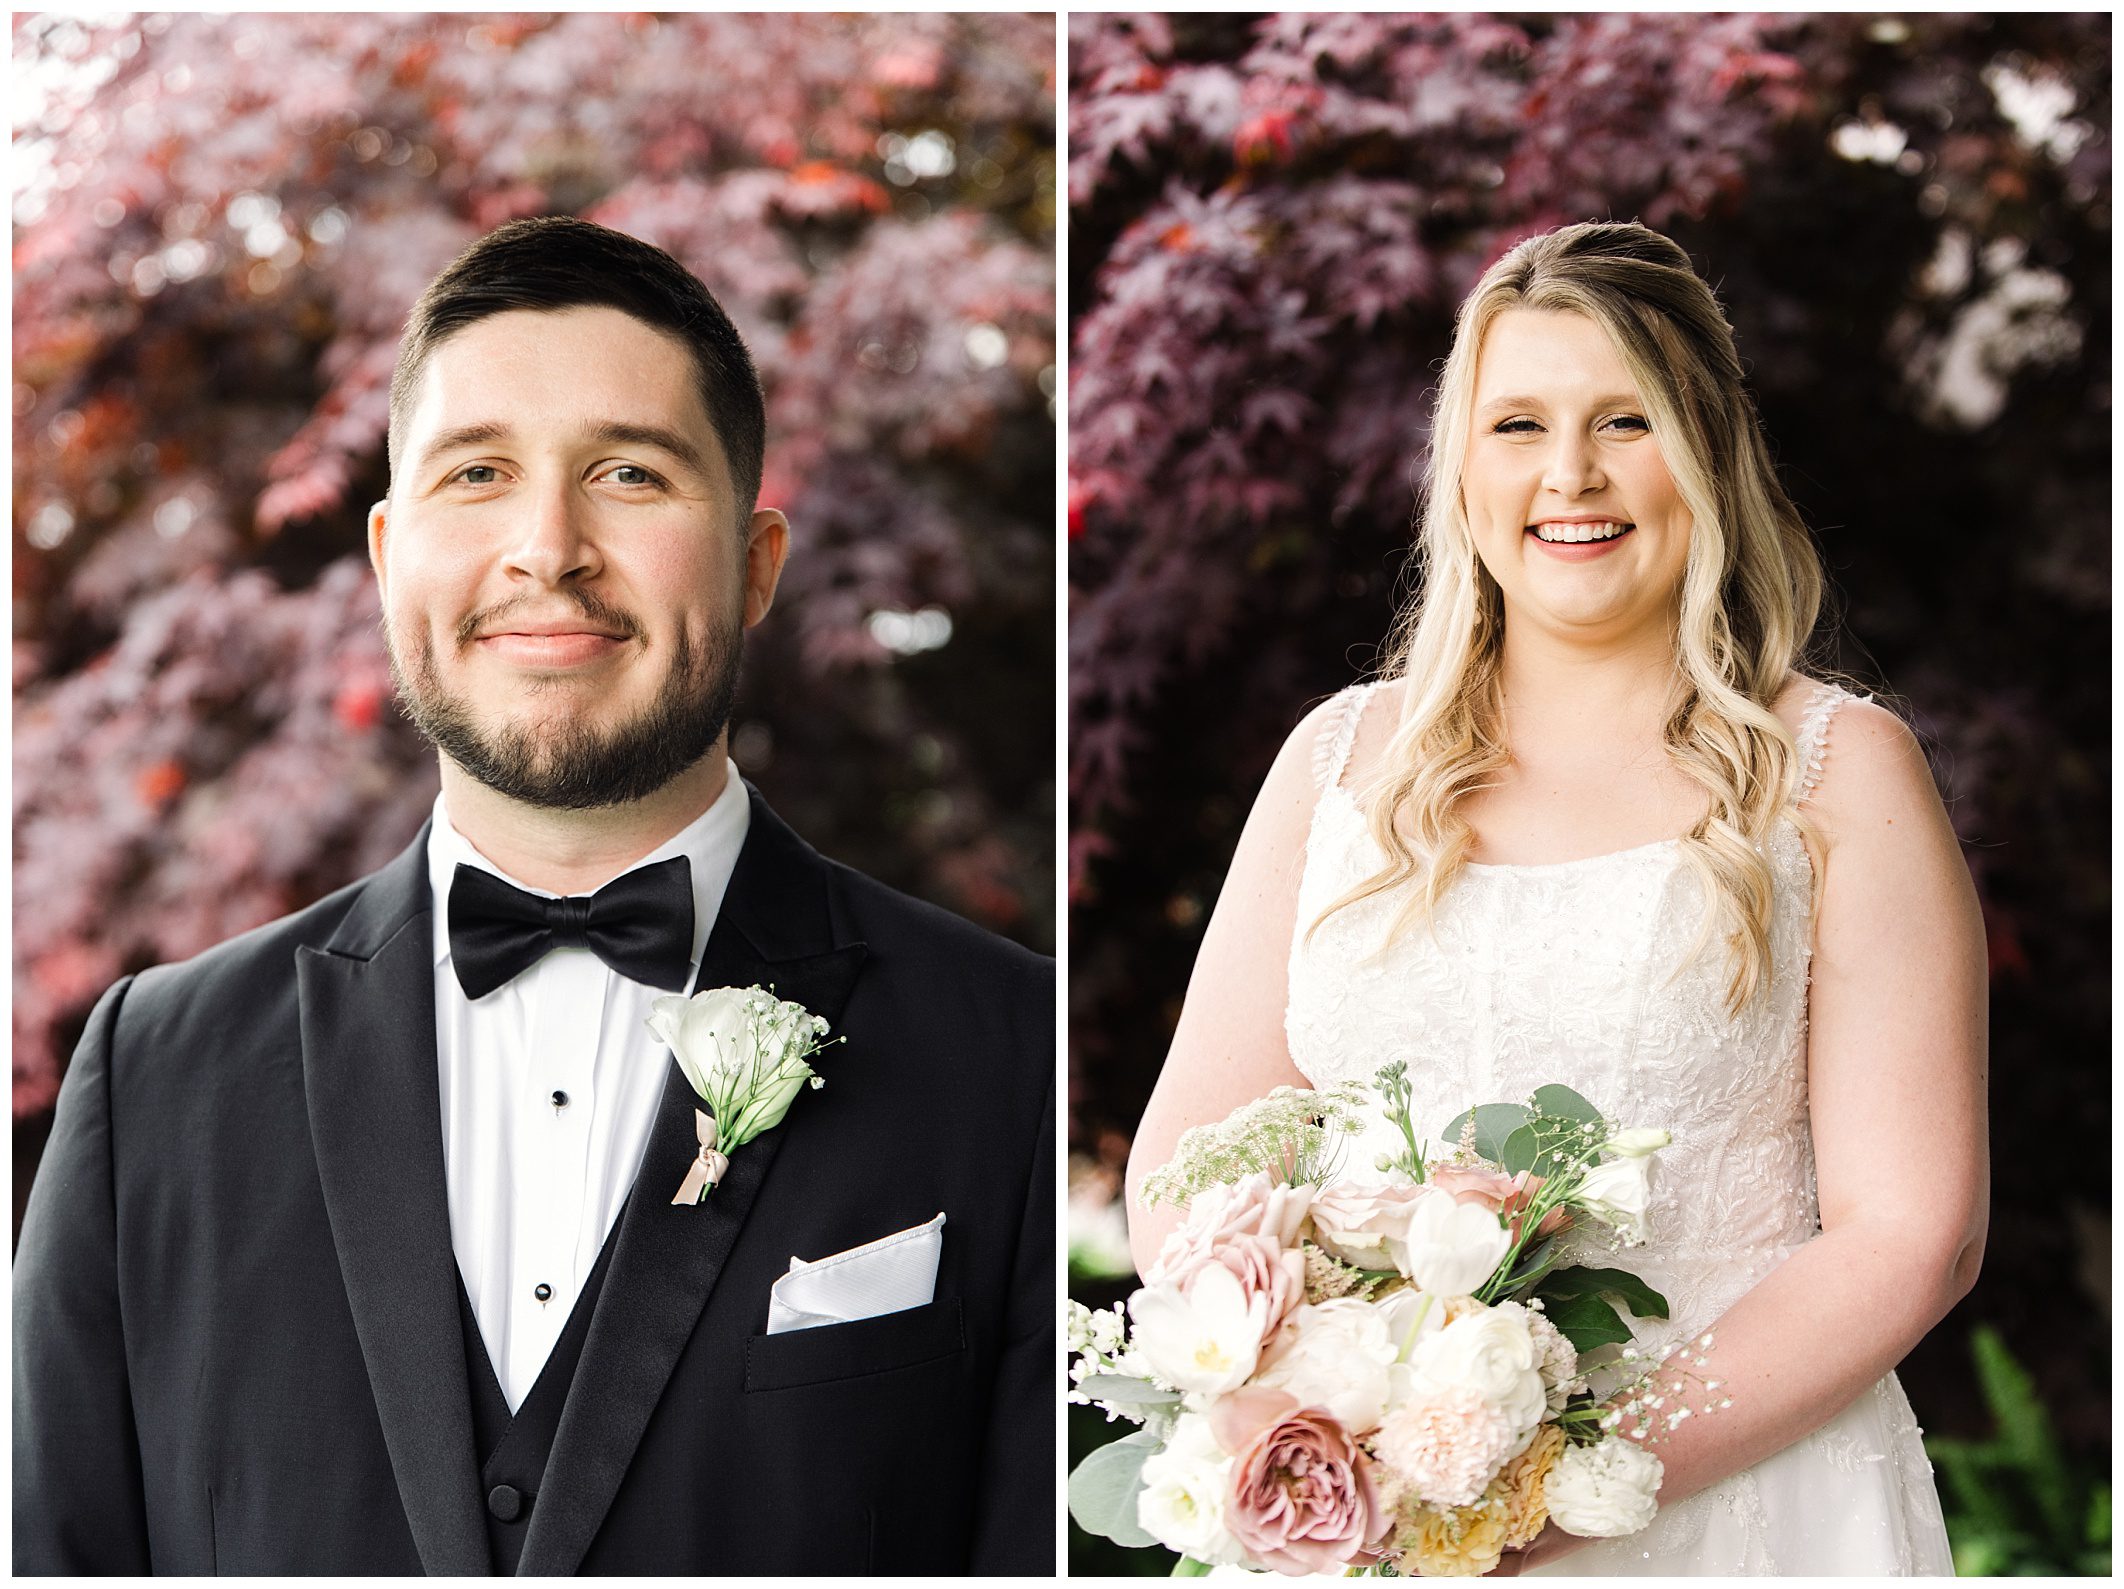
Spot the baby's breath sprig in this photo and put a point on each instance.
(1295, 1134)
(1645, 1408)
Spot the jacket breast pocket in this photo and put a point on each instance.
(857, 1349)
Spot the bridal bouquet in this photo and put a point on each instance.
(1386, 1377)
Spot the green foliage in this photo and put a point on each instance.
(1588, 1321)
(1638, 1297)
(1094, 1554)
(1577, 1302)
(1494, 1125)
(2017, 1505)
(1102, 1490)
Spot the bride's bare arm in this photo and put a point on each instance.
(1897, 1061)
(1228, 1047)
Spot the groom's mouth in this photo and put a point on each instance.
(550, 647)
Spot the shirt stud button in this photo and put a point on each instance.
(542, 1291)
(560, 1100)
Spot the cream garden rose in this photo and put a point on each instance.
(1491, 1353)
(1339, 1358)
(1603, 1491)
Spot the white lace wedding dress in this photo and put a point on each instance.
(1568, 973)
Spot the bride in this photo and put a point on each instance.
(1593, 826)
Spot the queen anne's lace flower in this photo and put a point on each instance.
(1293, 1134)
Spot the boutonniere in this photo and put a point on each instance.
(745, 1052)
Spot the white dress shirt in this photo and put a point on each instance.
(534, 1186)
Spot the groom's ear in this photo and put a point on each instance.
(378, 514)
(766, 548)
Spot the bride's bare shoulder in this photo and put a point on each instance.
(1792, 700)
(1317, 746)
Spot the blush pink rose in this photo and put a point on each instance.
(1255, 1206)
(1503, 1194)
(1262, 1269)
(1365, 1225)
(1301, 1498)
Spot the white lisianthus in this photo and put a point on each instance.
(743, 1050)
(1338, 1359)
(1639, 1141)
(1185, 1490)
(1491, 1353)
(1618, 1194)
(711, 1037)
(1206, 1337)
(1604, 1490)
(1452, 1247)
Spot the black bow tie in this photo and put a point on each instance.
(639, 924)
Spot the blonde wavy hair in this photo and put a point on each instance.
(1751, 591)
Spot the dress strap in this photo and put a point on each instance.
(1813, 737)
(1338, 734)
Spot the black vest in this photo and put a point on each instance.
(512, 1450)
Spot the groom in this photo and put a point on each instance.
(356, 1249)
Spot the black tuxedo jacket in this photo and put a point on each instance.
(236, 1325)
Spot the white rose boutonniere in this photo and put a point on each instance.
(746, 1053)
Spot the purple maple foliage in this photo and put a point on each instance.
(1272, 219)
(220, 224)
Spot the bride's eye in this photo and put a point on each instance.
(1515, 427)
(1634, 423)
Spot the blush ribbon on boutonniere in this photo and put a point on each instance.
(747, 1054)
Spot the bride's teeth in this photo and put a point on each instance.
(1572, 533)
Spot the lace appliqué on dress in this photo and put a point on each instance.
(1580, 972)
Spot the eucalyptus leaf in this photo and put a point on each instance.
(1494, 1123)
(1103, 1490)
(1118, 1390)
(1563, 1102)
(1522, 1150)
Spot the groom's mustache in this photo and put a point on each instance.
(600, 614)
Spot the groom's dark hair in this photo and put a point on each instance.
(558, 262)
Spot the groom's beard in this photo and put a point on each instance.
(573, 765)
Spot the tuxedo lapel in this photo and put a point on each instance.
(368, 1054)
(776, 929)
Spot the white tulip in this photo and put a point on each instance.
(1451, 1247)
(1206, 1338)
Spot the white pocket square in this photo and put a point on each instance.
(888, 1275)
